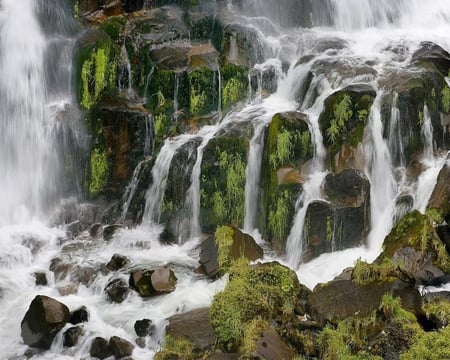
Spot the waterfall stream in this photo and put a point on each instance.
(310, 57)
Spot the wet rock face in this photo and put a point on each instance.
(144, 327)
(117, 290)
(72, 335)
(120, 347)
(344, 220)
(100, 348)
(79, 316)
(44, 318)
(432, 53)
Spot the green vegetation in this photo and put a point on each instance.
(176, 349)
(204, 91)
(223, 182)
(445, 99)
(279, 215)
(254, 295)
(342, 113)
(98, 171)
(364, 273)
(98, 73)
(224, 240)
(438, 310)
(417, 230)
(284, 148)
(429, 346)
(234, 84)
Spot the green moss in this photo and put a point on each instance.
(284, 147)
(176, 349)
(445, 99)
(364, 273)
(342, 113)
(429, 346)
(204, 92)
(438, 309)
(222, 183)
(98, 171)
(112, 26)
(391, 307)
(234, 84)
(252, 333)
(254, 294)
(279, 215)
(224, 240)
(417, 230)
(98, 73)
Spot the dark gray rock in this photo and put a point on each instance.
(144, 327)
(79, 316)
(100, 348)
(117, 262)
(43, 320)
(120, 347)
(71, 336)
(117, 290)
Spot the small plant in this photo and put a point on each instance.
(99, 171)
(284, 148)
(279, 214)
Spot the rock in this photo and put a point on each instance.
(117, 290)
(223, 356)
(83, 274)
(40, 278)
(110, 230)
(443, 232)
(79, 316)
(193, 326)
(417, 263)
(208, 257)
(153, 282)
(341, 299)
(71, 336)
(96, 230)
(120, 348)
(100, 348)
(271, 346)
(59, 268)
(132, 5)
(233, 244)
(43, 320)
(431, 52)
(440, 198)
(144, 327)
(140, 341)
(117, 262)
(393, 340)
(163, 280)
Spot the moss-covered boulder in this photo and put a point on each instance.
(431, 54)
(344, 118)
(151, 282)
(222, 182)
(256, 296)
(414, 246)
(287, 148)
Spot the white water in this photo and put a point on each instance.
(26, 183)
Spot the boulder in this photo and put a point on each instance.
(271, 346)
(117, 262)
(163, 280)
(71, 336)
(340, 299)
(100, 348)
(110, 230)
(79, 316)
(229, 244)
(193, 326)
(149, 282)
(430, 52)
(117, 290)
(440, 198)
(43, 320)
(120, 347)
(144, 327)
(96, 230)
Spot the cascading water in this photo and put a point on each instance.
(366, 42)
(27, 159)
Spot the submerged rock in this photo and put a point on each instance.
(43, 320)
(72, 335)
(117, 290)
(79, 316)
(144, 327)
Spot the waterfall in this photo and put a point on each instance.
(395, 139)
(28, 159)
(160, 171)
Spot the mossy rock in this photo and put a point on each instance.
(260, 291)
(222, 182)
(203, 91)
(96, 58)
(417, 231)
(288, 145)
(234, 84)
(122, 136)
(345, 116)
